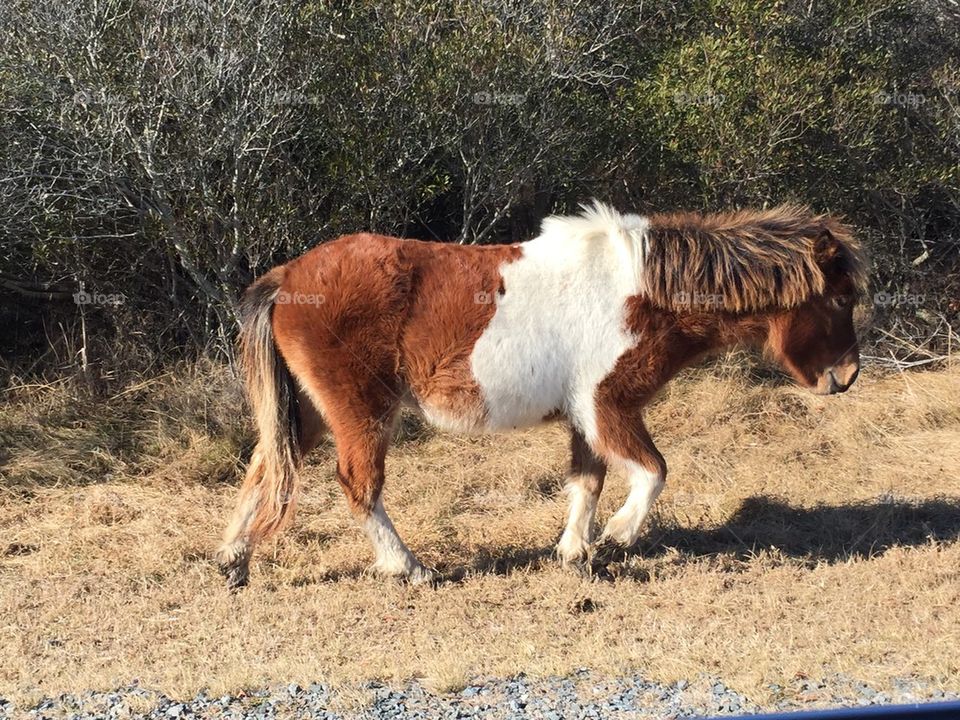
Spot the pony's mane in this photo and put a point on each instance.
(594, 220)
(742, 261)
(747, 260)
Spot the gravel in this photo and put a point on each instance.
(580, 695)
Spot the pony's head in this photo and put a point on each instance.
(815, 341)
(788, 278)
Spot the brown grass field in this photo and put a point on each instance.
(798, 536)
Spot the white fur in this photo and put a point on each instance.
(645, 487)
(237, 531)
(392, 556)
(577, 535)
(450, 422)
(559, 327)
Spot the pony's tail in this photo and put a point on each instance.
(269, 490)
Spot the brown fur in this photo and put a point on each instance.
(452, 305)
(363, 323)
(804, 339)
(669, 341)
(764, 278)
(586, 467)
(748, 260)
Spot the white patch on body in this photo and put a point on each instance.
(559, 326)
(645, 487)
(577, 535)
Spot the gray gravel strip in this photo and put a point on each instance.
(581, 695)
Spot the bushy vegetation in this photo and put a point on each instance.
(160, 155)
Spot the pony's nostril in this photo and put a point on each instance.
(853, 378)
(843, 386)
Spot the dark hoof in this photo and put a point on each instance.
(422, 575)
(604, 554)
(599, 572)
(236, 574)
(578, 567)
(234, 564)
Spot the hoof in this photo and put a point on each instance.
(236, 576)
(577, 563)
(605, 553)
(417, 575)
(577, 566)
(572, 555)
(587, 568)
(233, 562)
(421, 575)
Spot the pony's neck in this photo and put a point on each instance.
(678, 339)
(709, 332)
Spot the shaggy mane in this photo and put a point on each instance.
(744, 261)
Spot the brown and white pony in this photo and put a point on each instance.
(585, 322)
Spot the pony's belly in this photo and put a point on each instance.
(521, 413)
(521, 390)
(518, 418)
(447, 419)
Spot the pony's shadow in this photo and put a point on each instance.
(825, 533)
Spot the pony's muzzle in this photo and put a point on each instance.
(838, 379)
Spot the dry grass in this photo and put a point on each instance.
(798, 535)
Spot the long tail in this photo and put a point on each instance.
(273, 396)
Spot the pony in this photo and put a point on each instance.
(585, 323)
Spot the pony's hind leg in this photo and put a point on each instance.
(258, 513)
(584, 483)
(233, 556)
(361, 453)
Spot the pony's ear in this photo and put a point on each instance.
(833, 263)
(826, 249)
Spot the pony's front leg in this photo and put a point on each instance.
(584, 483)
(645, 486)
(646, 474)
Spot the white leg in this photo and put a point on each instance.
(233, 556)
(575, 541)
(234, 553)
(392, 556)
(645, 486)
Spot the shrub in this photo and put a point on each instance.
(165, 155)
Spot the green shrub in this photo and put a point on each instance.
(169, 154)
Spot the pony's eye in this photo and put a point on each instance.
(842, 301)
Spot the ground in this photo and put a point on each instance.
(800, 539)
